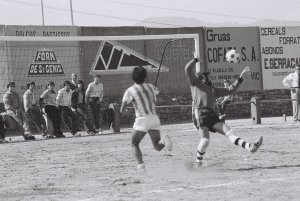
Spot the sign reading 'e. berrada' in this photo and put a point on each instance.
(243, 39)
(280, 50)
(45, 63)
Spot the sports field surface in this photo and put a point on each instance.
(101, 167)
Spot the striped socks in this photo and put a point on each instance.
(203, 144)
(239, 142)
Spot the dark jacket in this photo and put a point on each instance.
(75, 96)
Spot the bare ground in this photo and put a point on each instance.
(101, 167)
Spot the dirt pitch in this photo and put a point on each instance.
(101, 167)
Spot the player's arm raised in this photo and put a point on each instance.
(233, 87)
(189, 70)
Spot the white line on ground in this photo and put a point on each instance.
(222, 185)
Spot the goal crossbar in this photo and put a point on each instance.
(97, 38)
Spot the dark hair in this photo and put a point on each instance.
(67, 83)
(139, 74)
(81, 82)
(50, 83)
(11, 84)
(96, 76)
(29, 83)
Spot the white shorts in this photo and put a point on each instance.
(146, 123)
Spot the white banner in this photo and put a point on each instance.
(280, 50)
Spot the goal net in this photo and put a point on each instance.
(44, 59)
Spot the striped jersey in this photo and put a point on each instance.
(143, 98)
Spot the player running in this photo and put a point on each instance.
(204, 117)
(143, 97)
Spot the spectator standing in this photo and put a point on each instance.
(74, 81)
(94, 96)
(47, 102)
(292, 81)
(63, 100)
(80, 107)
(224, 101)
(32, 111)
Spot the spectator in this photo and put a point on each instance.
(74, 81)
(2, 131)
(292, 81)
(80, 107)
(13, 107)
(224, 101)
(47, 102)
(32, 111)
(94, 95)
(63, 100)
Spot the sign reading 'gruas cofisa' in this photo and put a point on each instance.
(280, 47)
(45, 63)
(245, 40)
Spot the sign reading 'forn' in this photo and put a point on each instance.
(45, 64)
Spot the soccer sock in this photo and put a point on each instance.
(239, 142)
(203, 144)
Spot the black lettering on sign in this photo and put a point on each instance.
(212, 37)
(243, 54)
(281, 63)
(255, 75)
(45, 69)
(272, 31)
(253, 55)
(217, 54)
(292, 40)
(272, 50)
(45, 56)
(25, 33)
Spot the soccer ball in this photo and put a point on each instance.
(233, 56)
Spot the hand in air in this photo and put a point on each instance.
(245, 72)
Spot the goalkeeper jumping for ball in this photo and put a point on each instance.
(204, 116)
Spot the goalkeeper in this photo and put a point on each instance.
(204, 117)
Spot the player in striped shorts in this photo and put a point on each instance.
(143, 97)
(204, 116)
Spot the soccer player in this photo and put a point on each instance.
(32, 111)
(13, 106)
(143, 97)
(204, 117)
(292, 81)
(93, 97)
(49, 107)
(80, 108)
(63, 100)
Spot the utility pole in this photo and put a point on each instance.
(71, 10)
(42, 4)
